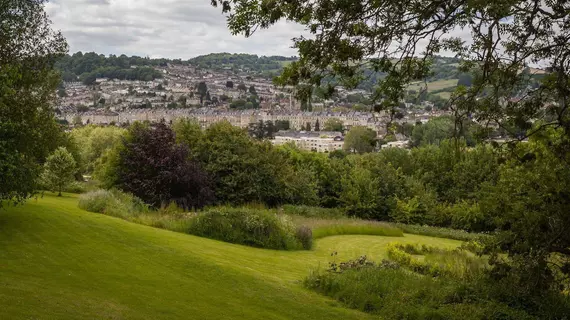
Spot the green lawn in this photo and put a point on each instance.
(59, 262)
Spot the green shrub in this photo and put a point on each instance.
(313, 212)
(257, 228)
(436, 261)
(395, 293)
(439, 232)
(112, 202)
(305, 235)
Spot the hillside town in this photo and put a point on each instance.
(210, 96)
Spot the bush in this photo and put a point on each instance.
(256, 228)
(305, 236)
(112, 202)
(439, 232)
(395, 293)
(436, 261)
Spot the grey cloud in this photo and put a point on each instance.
(162, 28)
(168, 28)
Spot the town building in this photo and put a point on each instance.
(311, 141)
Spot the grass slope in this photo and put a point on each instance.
(59, 262)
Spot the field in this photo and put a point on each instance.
(59, 262)
(433, 86)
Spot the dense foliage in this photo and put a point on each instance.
(504, 38)
(263, 65)
(433, 184)
(150, 165)
(95, 141)
(28, 131)
(394, 291)
(256, 228)
(59, 170)
(86, 67)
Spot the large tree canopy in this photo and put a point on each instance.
(401, 38)
(28, 132)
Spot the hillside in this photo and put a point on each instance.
(261, 65)
(59, 262)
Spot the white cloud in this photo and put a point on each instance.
(164, 28)
(167, 28)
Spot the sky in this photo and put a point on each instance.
(166, 29)
(161, 29)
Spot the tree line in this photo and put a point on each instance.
(88, 66)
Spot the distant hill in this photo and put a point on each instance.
(241, 62)
(86, 67)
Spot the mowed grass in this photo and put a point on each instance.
(60, 262)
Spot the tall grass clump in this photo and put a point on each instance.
(313, 212)
(439, 232)
(392, 292)
(434, 261)
(170, 217)
(112, 202)
(252, 227)
(372, 229)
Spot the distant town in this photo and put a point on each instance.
(237, 95)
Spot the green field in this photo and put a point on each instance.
(59, 262)
(434, 85)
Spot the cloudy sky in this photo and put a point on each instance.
(160, 28)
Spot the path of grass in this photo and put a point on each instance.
(59, 262)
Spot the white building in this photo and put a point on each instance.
(311, 141)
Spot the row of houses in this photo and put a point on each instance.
(243, 118)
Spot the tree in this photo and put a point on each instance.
(28, 130)
(433, 132)
(282, 125)
(61, 93)
(465, 79)
(245, 170)
(153, 167)
(257, 130)
(242, 87)
(89, 79)
(59, 170)
(202, 89)
(270, 129)
(252, 90)
(360, 140)
(308, 126)
(94, 141)
(334, 124)
(531, 203)
(317, 126)
(229, 84)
